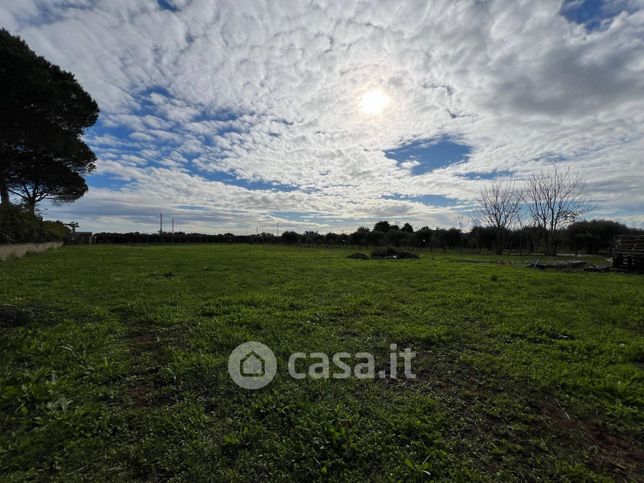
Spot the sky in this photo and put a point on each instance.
(238, 116)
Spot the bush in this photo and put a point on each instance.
(390, 252)
(19, 225)
(54, 231)
(404, 254)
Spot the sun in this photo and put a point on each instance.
(374, 101)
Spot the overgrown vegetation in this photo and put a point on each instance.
(391, 252)
(19, 224)
(114, 367)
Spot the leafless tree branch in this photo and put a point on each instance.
(554, 199)
(500, 207)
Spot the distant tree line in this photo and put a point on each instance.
(580, 237)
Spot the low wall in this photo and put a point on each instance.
(20, 249)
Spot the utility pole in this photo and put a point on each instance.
(172, 229)
(160, 224)
(278, 229)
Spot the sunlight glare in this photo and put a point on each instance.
(374, 101)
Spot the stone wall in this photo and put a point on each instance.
(20, 249)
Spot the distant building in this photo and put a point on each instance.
(79, 237)
(82, 238)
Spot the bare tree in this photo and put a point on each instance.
(500, 206)
(553, 200)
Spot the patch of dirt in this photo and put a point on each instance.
(463, 388)
(141, 390)
(143, 339)
(611, 453)
(140, 394)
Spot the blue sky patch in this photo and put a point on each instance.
(105, 181)
(430, 200)
(167, 5)
(430, 154)
(231, 179)
(218, 115)
(120, 132)
(487, 175)
(592, 14)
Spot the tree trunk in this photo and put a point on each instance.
(499, 242)
(551, 248)
(31, 205)
(4, 193)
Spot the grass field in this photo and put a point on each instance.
(114, 367)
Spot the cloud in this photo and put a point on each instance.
(247, 109)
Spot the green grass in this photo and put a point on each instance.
(113, 366)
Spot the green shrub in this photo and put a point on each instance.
(19, 225)
(390, 252)
(54, 231)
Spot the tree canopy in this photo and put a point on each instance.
(43, 114)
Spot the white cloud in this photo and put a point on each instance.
(270, 93)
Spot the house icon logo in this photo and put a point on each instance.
(252, 365)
